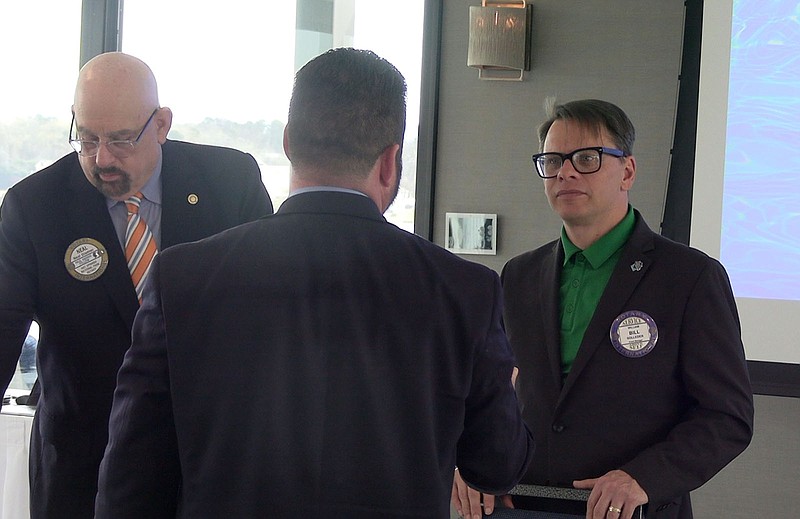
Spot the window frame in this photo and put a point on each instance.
(101, 31)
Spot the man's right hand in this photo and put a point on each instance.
(467, 500)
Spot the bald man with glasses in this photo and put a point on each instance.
(63, 261)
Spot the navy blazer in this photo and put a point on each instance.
(85, 325)
(317, 363)
(671, 418)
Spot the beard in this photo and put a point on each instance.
(113, 189)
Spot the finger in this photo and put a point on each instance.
(601, 510)
(592, 501)
(514, 374)
(455, 500)
(627, 511)
(488, 504)
(597, 505)
(507, 501)
(461, 491)
(474, 499)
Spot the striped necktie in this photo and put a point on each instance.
(140, 246)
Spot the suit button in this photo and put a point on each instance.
(558, 428)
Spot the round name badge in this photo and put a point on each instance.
(86, 259)
(634, 334)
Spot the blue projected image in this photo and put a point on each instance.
(761, 202)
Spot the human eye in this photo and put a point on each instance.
(88, 145)
(586, 157)
(550, 160)
(120, 145)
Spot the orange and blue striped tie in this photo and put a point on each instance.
(140, 246)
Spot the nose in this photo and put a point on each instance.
(104, 156)
(565, 172)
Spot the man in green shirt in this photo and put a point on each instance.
(632, 373)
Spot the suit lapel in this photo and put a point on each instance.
(549, 283)
(88, 216)
(174, 211)
(629, 271)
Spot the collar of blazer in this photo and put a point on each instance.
(332, 202)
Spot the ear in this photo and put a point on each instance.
(388, 166)
(629, 175)
(286, 142)
(387, 175)
(163, 120)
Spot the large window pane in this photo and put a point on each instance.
(228, 75)
(41, 42)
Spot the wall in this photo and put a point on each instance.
(624, 51)
(627, 52)
(764, 480)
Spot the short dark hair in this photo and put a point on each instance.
(348, 105)
(593, 113)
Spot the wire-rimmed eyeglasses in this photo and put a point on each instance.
(118, 148)
(584, 160)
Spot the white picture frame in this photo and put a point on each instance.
(471, 233)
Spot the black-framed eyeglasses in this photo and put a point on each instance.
(584, 160)
(118, 148)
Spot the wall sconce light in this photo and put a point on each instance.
(500, 39)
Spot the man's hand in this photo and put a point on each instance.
(467, 500)
(614, 495)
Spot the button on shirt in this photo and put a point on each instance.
(584, 277)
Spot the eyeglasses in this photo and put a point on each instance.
(119, 148)
(584, 160)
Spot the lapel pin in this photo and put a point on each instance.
(192, 198)
(636, 266)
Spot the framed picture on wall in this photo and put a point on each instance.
(471, 233)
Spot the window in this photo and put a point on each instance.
(35, 106)
(38, 85)
(228, 77)
(227, 74)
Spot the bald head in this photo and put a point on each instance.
(115, 84)
(116, 99)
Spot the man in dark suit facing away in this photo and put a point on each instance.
(63, 261)
(344, 374)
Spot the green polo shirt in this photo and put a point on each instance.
(584, 276)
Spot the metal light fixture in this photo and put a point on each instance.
(500, 39)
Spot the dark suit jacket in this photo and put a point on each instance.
(672, 418)
(317, 363)
(85, 325)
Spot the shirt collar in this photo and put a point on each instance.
(598, 252)
(312, 189)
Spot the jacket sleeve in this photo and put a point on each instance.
(17, 285)
(140, 473)
(719, 424)
(496, 446)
